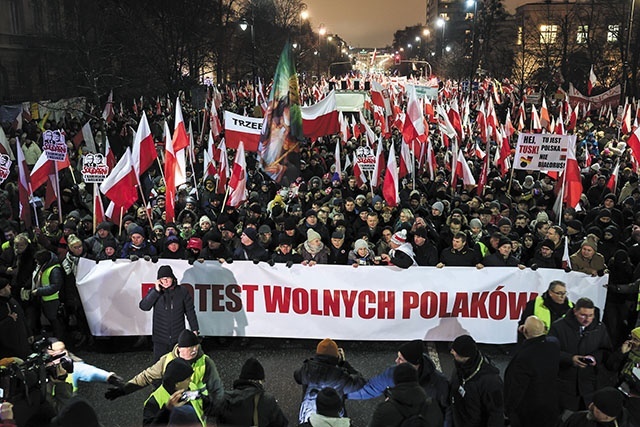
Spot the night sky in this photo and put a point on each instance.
(371, 23)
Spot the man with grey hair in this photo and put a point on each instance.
(530, 378)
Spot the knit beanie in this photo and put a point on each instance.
(106, 225)
(465, 346)
(312, 235)
(76, 412)
(438, 206)
(590, 240)
(327, 347)
(194, 243)
(3, 282)
(634, 332)
(399, 237)
(475, 222)
(252, 370)
(328, 403)
(412, 351)
(166, 271)
(177, 370)
(73, 239)
(504, 240)
(360, 244)
(251, 233)
(188, 339)
(548, 243)
(609, 401)
(136, 229)
(405, 373)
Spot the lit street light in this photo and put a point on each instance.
(441, 23)
(243, 26)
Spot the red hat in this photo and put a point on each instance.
(194, 243)
(399, 237)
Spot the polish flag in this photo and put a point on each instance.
(5, 148)
(626, 120)
(573, 118)
(380, 97)
(566, 256)
(559, 128)
(391, 186)
(360, 176)
(98, 208)
(634, 143)
(238, 128)
(344, 128)
(379, 119)
(545, 121)
(573, 180)
(535, 120)
(454, 118)
(238, 181)
(406, 163)
(338, 164)
(214, 120)
(413, 127)
(143, 152)
(612, 182)
(591, 83)
(107, 113)
(463, 171)
(509, 130)
(321, 118)
(24, 187)
(209, 162)
(108, 154)
(223, 167)
(180, 142)
(44, 168)
(170, 166)
(120, 185)
(377, 170)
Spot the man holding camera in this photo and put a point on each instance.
(584, 346)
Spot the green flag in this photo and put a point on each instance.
(282, 126)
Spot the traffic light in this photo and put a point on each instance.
(396, 59)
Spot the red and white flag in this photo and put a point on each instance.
(337, 174)
(180, 142)
(120, 185)
(243, 129)
(98, 208)
(360, 176)
(107, 113)
(380, 97)
(5, 148)
(406, 162)
(223, 167)
(238, 181)
(170, 171)
(321, 118)
(573, 180)
(108, 154)
(344, 128)
(377, 169)
(390, 187)
(626, 119)
(612, 182)
(566, 256)
(45, 168)
(545, 120)
(593, 80)
(143, 152)
(209, 162)
(535, 120)
(634, 143)
(414, 121)
(463, 171)
(24, 187)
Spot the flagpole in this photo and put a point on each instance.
(413, 165)
(95, 193)
(371, 183)
(144, 199)
(564, 181)
(160, 165)
(510, 180)
(35, 209)
(55, 165)
(224, 201)
(120, 222)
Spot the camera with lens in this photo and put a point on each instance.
(362, 262)
(377, 258)
(191, 395)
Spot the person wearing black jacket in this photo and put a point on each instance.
(407, 399)
(476, 387)
(284, 253)
(170, 303)
(584, 347)
(530, 379)
(426, 253)
(502, 257)
(338, 255)
(459, 254)
(248, 404)
(213, 248)
(249, 249)
(548, 307)
(13, 325)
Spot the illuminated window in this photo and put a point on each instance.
(613, 33)
(548, 34)
(583, 34)
(520, 34)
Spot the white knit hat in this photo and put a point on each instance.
(399, 237)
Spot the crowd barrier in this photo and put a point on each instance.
(342, 302)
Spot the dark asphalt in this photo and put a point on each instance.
(279, 357)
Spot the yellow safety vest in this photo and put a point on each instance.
(199, 368)
(44, 280)
(542, 311)
(162, 396)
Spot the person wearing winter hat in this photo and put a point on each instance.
(606, 409)
(205, 372)
(327, 368)
(543, 258)
(432, 382)
(76, 412)
(587, 260)
(502, 257)
(14, 334)
(313, 250)
(170, 303)
(285, 253)
(248, 404)
(361, 254)
(476, 387)
(329, 404)
(138, 246)
(250, 249)
(406, 399)
(401, 252)
(167, 404)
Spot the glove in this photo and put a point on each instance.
(117, 381)
(272, 262)
(154, 259)
(134, 257)
(256, 261)
(567, 269)
(114, 392)
(534, 267)
(147, 258)
(25, 294)
(289, 264)
(229, 260)
(601, 273)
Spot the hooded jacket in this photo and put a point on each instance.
(404, 401)
(238, 406)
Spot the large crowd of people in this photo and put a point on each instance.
(327, 217)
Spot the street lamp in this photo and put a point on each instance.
(243, 26)
(441, 23)
(322, 30)
(473, 3)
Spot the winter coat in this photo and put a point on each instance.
(582, 419)
(292, 256)
(169, 309)
(579, 263)
(237, 407)
(463, 258)
(404, 401)
(145, 249)
(13, 333)
(497, 260)
(433, 382)
(426, 255)
(482, 404)
(321, 257)
(530, 384)
(576, 383)
(251, 252)
(56, 278)
(317, 420)
(324, 371)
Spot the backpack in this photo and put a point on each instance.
(415, 420)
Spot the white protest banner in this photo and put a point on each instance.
(242, 128)
(94, 168)
(5, 167)
(54, 145)
(544, 151)
(366, 158)
(342, 302)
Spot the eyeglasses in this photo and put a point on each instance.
(560, 294)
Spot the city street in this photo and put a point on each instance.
(279, 357)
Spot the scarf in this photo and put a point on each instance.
(313, 249)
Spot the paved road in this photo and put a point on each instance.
(279, 357)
